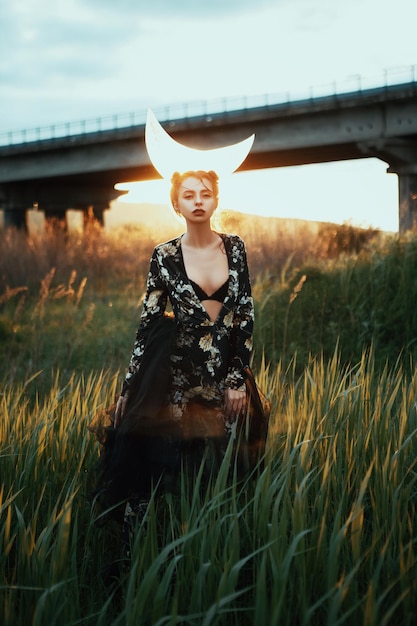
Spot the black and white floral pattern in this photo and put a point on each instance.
(208, 355)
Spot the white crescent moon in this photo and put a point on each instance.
(169, 156)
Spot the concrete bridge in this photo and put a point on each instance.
(78, 170)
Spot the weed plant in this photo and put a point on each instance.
(352, 301)
(70, 301)
(323, 534)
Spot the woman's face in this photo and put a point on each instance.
(196, 200)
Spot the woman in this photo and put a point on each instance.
(185, 392)
(205, 276)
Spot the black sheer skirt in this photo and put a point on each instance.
(150, 447)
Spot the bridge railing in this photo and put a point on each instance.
(353, 84)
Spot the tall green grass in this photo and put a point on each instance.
(353, 301)
(70, 301)
(324, 534)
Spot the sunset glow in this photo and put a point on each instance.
(360, 192)
(253, 48)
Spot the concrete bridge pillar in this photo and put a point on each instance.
(15, 218)
(407, 200)
(401, 155)
(54, 199)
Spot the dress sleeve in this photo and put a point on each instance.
(242, 332)
(154, 305)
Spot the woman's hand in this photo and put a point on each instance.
(120, 410)
(235, 402)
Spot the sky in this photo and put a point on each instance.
(80, 59)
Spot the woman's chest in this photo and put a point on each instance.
(208, 268)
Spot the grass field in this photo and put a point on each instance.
(324, 534)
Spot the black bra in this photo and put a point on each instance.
(219, 295)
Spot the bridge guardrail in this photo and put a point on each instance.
(354, 84)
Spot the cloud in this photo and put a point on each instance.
(52, 47)
(83, 40)
(103, 56)
(181, 8)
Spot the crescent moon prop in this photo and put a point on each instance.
(169, 156)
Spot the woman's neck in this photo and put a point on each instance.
(198, 236)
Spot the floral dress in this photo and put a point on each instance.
(207, 355)
(177, 376)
